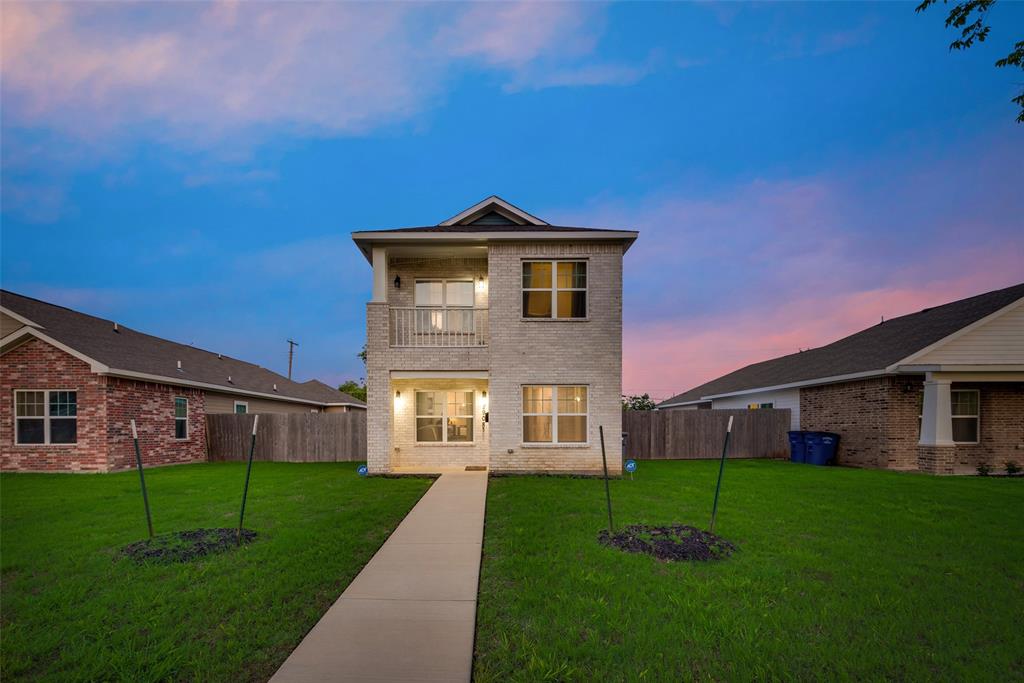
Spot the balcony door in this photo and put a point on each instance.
(444, 306)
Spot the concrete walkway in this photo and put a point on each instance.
(411, 613)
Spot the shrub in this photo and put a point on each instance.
(1012, 467)
(983, 470)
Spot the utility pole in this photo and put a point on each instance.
(291, 352)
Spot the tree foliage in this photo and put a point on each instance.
(969, 18)
(354, 389)
(637, 402)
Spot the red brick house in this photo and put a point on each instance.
(940, 391)
(70, 383)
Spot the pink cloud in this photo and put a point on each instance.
(202, 71)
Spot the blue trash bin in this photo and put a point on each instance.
(797, 447)
(821, 448)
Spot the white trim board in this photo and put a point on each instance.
(20, 318)
(439, 374)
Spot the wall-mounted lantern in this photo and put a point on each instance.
(398, 282)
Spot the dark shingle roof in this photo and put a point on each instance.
(127, 349)
(872, 349)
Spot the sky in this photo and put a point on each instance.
(796, 171)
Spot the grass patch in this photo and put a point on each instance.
(838, 574)
(75, 608)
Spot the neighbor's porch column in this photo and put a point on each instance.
(380, 275)
(936, 413)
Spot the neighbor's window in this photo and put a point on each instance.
(444, 305)
(242, 407)
(555, 289)
(756, 406)
(43, 417)
(966, 415)
(444, 416)
(554, 414)
(180, 418)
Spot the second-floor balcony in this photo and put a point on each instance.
(443, 327)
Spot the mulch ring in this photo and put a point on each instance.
(184, 546)
(670, 543)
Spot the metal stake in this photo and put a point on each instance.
(721, 469)
(607, 491)
(248, 471)
(142, 479)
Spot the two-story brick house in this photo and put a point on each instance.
(494, 339)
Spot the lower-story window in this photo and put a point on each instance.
(444, 416)
(966, 415)
(180, 418)
(43, 417)
(554, 414)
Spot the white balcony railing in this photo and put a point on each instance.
(456, 327)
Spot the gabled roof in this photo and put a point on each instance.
(492, 219)
(119, 350)
(867, 352)
(493, 209)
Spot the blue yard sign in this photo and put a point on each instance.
(631, 466)
(362, 470)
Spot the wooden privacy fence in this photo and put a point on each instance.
(288, 437)
(696, 434)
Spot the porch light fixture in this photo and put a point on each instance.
(398, 394)
(398, 282)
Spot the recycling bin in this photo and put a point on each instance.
(820, 448)
(797, 447)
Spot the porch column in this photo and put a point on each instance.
(936, 413)
(380, 275)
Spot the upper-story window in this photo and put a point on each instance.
(241, 407)
(43, 417)
(555, 289)
(446, 305)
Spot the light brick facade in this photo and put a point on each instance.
(518, 352)
(878, 423)
(105, 406)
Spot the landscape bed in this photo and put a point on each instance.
(838, 574)
(76, 608)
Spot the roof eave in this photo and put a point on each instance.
(367, 238)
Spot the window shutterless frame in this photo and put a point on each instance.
(244, 405)
(452, 413)
(445, 312)
(556, 414)
(965, 411)
(180, 418)
(555, 289)
(46, 406)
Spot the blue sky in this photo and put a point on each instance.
(796, 170)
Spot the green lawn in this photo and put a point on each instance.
(840, 574)
(72, 609)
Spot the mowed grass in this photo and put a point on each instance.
(840, 574)
(74, 610)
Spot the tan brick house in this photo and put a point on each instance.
(70, 383)
(940, 391)
(494, 340)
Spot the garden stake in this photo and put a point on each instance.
(142, 479)
(248, 470)
(721, 468)
(607, 491)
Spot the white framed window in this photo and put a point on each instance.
(180, 418)
(47, 416)
(555, 413)
(758, 406)
(966, 412)
(444, 305)
(555, 289)
(444, 416)
(241, 407)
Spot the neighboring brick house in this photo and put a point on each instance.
(940, 391)
(494, 340)
(70, 384)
